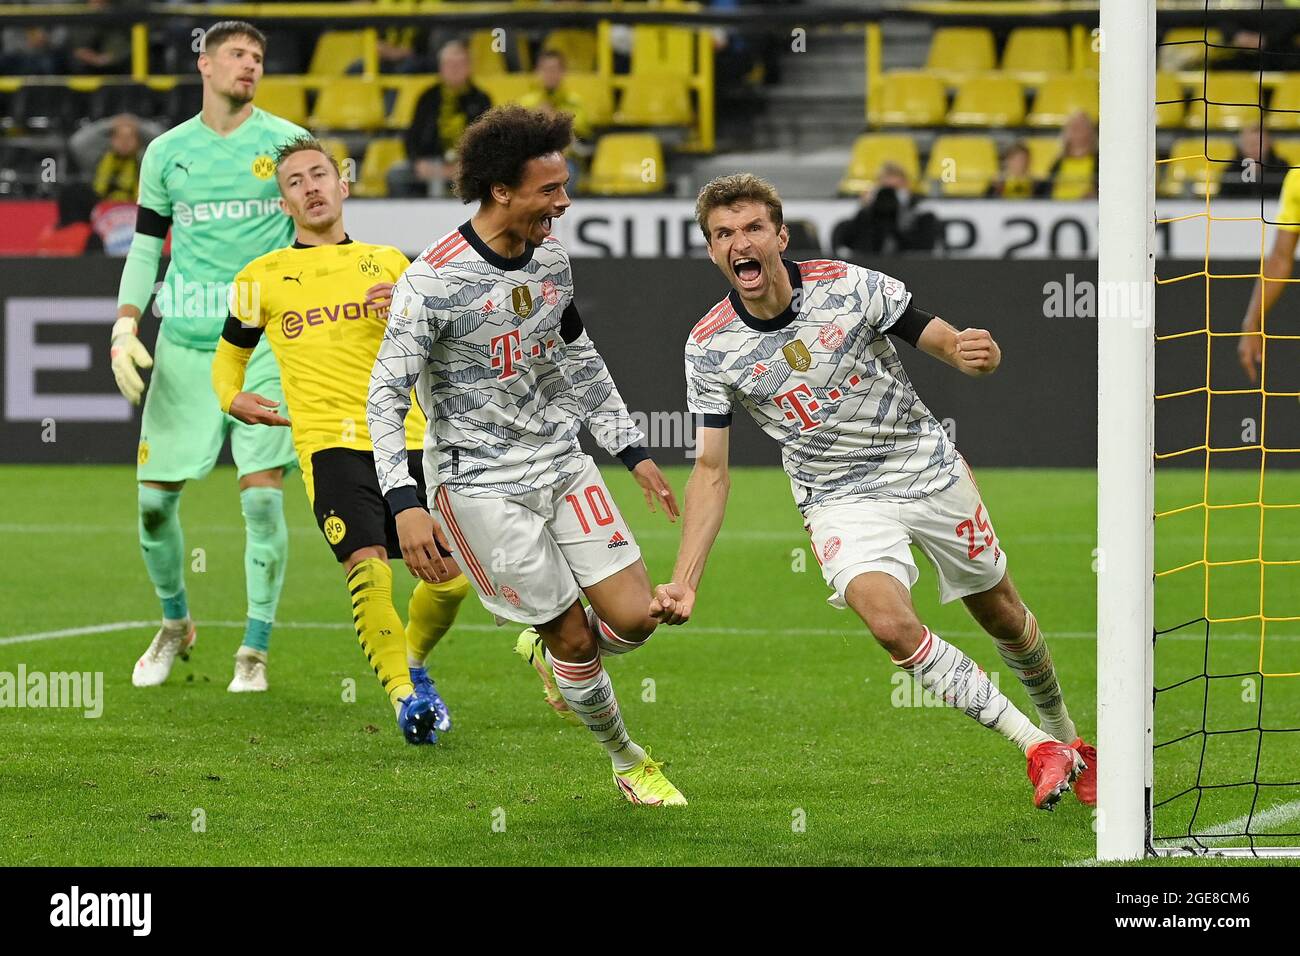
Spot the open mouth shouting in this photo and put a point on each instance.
(748, 272)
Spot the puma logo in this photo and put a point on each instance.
(297, 278)
(182, 167)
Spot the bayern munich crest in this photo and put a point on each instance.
(510, 594)
(830, 548)
(550, 295)
(831, 336)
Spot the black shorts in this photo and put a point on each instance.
(349, 508)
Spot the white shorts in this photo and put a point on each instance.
(527, 555)
(952, 528)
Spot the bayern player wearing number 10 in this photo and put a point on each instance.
(484, 326)
(804, 348)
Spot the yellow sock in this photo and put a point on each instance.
(379, 629)
(430, 615)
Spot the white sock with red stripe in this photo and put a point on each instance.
(946, 672)
(590, 694)
(1031, 661)
(608, 641)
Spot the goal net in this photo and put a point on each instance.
(1208, 755)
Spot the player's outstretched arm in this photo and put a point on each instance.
(706, 504)
(970, 351)
(1250, 348)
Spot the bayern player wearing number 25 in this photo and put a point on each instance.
(805, 349)
(484, 326)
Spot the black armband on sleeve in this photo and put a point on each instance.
(402, 498)
(633, 455)
(714, 421)
(910, 324)
(570, 324)
(150, 222)
(239, 335)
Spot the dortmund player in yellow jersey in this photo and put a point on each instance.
(323, 305)
(1277, 267)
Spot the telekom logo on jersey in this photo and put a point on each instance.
(798, 410)
(507, 352)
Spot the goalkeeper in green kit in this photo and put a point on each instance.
(211, 180)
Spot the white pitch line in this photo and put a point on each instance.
(1232, 829)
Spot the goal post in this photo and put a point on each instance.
(1125, 426)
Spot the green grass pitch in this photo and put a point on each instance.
(779, 716)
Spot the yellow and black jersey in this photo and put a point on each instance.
(310, 302)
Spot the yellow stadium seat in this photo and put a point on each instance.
(1188, 171)
(870, 151)
(961, 49)
(1037, 49)
(349, 103)
(1060, 96)
(1090, 60)
(962, 165)
(596, 94)
(337, 148)
(335, 51)
(1043, 151)
(484, 54)
(505, 87)
(910, 99)
(381, 154)
(578, 47)
(1171, 106)
(1182, 48)
(627, 164)
(659, 50)
(988, 101)
(1284, 108)
(662, 100)
(284, 96)
(409, 90)
(1288, 149)
(1232, 100)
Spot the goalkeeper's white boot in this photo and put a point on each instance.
(250, 671)
(174, 639)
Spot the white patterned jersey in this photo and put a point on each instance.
(824, 381)
(502, 368)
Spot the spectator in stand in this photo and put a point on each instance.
(31, 51)
(117, 177)
(441, 116)
(892, 218)
(99, 48)
(1074, 174)
(1014, 181)
(1257, 170)
(552, 96)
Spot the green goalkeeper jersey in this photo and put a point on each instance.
(221, 195)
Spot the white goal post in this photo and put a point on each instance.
(1125, 427)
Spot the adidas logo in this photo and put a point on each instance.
(759, 369)
(489, 307)
(617, 541)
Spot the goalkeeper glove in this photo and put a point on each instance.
(128, 354)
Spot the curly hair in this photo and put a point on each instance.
(496, 147)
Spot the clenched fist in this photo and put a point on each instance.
(977, 353)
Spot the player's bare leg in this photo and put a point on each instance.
(1014, 629)
(619, 614)
(163, 547)
(266, 551)
(574, 655)
(885, 606)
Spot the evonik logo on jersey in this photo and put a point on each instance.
(293, 322)
(226, 210)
